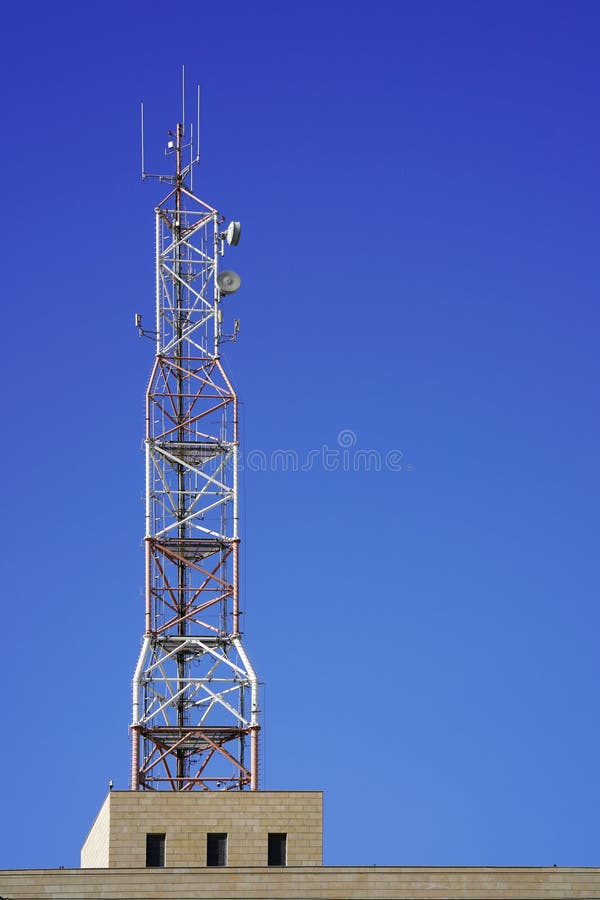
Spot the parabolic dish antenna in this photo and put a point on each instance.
(232, 235)
(228, 282)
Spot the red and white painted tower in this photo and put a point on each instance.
(195, 694)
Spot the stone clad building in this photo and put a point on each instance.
(182, 823)
(256, 845)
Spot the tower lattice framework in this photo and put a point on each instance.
(195, 694)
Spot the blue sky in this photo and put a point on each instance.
(418, 186)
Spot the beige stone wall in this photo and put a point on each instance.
(307, 883)
(94, 853)
(185, 818)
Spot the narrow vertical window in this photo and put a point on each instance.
(155, 850)
(277, 855)
(216, 849)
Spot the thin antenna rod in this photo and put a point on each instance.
(183, 96)
(192, 157)
(143, 165)
(198, 130)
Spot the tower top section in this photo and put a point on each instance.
(183, 144)
(190, 316)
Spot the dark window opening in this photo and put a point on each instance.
(277, 849)
(155, 850)
(216, 849)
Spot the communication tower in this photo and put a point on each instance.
(195, 694)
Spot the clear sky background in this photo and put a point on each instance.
(418, 187)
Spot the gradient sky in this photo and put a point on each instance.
(418, 187)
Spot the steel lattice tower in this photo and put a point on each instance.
(195, 693)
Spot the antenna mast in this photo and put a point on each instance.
(195, 693)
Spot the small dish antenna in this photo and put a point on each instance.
(228, 282)
(233, 233)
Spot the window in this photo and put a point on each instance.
(277, 849)
(155, 850)
(216, 849)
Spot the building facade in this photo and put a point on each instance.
(264, 845)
